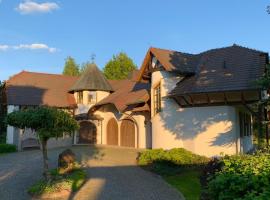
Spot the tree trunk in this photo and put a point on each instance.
(46, 172)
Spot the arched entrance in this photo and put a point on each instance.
(112, 132)
(87, 133)
(127, 133)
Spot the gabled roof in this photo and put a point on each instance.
(127, 92)
(232, 68)
(91, 79)
(31, 88)
(172, 61)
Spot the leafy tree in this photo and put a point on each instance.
(71, 68)
(264, 83)
(268, 9)
(47, 123)
(119, 67)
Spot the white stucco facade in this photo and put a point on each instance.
(208, 131)
(141, 123)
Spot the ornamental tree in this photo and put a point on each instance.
(47, 123)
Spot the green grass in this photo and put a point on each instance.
(187, 182)
(71, 182)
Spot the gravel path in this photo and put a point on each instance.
(112, 175)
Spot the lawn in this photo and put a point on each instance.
(187, 182)
(179, 167)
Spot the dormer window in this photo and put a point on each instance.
(80, 97)
(92, 97)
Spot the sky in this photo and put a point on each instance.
(37, 35)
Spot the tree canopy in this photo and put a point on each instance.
(119, 67)
(71, 67)
(47, 122)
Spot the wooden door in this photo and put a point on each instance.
(112, 132)
(127, 133)
(87, 133)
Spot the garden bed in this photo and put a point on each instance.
(61, 185)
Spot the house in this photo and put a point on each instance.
(196, 101)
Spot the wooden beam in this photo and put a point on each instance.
(192, 102)
(186, 101)
(225, 98)
(208, 99)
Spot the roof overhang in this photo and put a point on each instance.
(217, 98)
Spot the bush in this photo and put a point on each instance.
(242, 177)
(177, 157)
(7, 148)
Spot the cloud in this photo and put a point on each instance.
(29, 7)
(35, 46)
(3, 47)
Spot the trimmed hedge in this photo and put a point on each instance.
(244, 177)
(176, 156)
(7, 148)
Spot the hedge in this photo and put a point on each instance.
(7, 148)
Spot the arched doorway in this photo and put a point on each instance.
(87, 133)
(127, 133)
(112, 132)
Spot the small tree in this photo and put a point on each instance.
(47, 123)
(119, 67)
(71, 68)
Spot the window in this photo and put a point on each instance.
(157, 99)
(245, 124)
(80, 97)
(92, 97)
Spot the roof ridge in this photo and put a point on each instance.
(52, 74)
(162, 49)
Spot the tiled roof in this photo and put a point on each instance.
(226, 69)
(127, 92)
(176, 61)
(31, 88)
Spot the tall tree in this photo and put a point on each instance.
(119, 67)
(47, 123)
(71, 68)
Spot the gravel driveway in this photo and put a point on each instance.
(112, 175)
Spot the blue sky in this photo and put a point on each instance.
(37, 35)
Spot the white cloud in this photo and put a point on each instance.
(35, 46)
(29, 6)
(3, 47)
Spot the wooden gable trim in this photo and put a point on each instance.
(145, 63)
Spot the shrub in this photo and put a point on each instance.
(241, 177)
(176, 156)
(7, 148)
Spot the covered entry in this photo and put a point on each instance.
(112, 132)
(127, 133)
(87, 133)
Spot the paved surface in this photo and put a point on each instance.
(112, 175)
